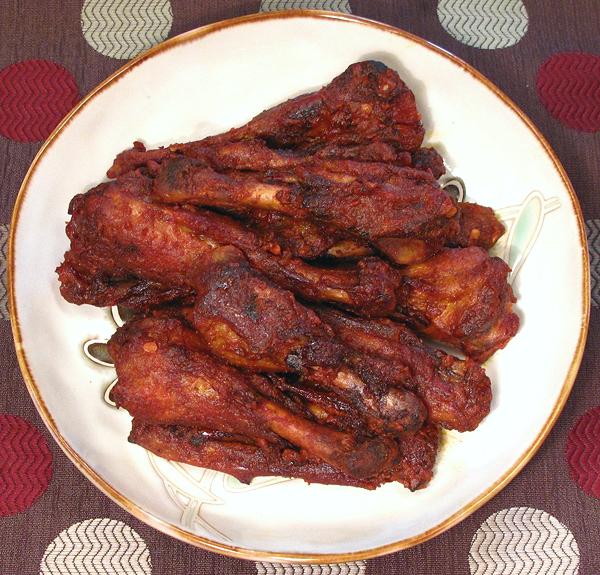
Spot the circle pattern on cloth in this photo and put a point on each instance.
(583, 452)
(333, 5)
(351, 568)
(34, 97)
(97, 547)
(25, 465)
(523, 540)
(487, 24)
(592, 229)
(124, 28)
(568, 84)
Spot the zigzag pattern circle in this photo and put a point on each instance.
(25, 465)
(351, 568)
(97, 547)
(592, 228)
(124, 28)
(4, 233)
(487, 24)
(568, 84)
(583, 452)
(523, 540)
(34, 97)
(333, 5)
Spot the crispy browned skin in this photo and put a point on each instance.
(259, 197)
(166, 378)
(122, 244)
(252, 323)
(127, 250)
(241, 155)
(243, 459)
(460, 297)
(366, 103)
(408, 207)
(478, 226)
(457, 392)
(421, 159)
(472, 225)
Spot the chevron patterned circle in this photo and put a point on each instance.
(124, 28)
(568, 85)
(333, 5)
(4, 232)
(487, 24)
(352, 568)
(583, 452)
(25, 465)
(97, 547)
(523, 540)
(34, 97)
(592, 227)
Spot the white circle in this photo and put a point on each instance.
(523, 540)
(124, 28)
(97, 547)
(487, 24)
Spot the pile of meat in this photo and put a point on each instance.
(281, 277)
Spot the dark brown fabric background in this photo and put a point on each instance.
(51, 30)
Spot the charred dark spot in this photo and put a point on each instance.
(251, 308)
(379, 66)
(197, 440)
(294, 361)
(307, 113)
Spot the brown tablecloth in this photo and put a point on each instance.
(545, 54)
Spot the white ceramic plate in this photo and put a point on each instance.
(205, 82)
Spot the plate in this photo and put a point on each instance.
(219, 76)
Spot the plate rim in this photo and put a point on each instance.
(278, 556)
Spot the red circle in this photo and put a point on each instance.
(34, 97)
(583, 452)
(569, 86)
(25, 465)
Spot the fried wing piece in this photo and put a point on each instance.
(460, 297)
(166, 378)
(243, 459)
(252, 323)
(127, 250)
(457, 392)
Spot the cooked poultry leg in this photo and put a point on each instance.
(457, 392)
(252, 323)
(460, 297)
(118, 236)
(243, 459)
(165, 378)
(410, 207)
(366, 103)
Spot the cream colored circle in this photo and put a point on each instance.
(487, 24)
(98, 546)
(523, 540)
(124, 28)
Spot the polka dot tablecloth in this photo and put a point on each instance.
(544, 54)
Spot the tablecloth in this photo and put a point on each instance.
(545, 54)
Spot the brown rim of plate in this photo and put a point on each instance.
(277, 556)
